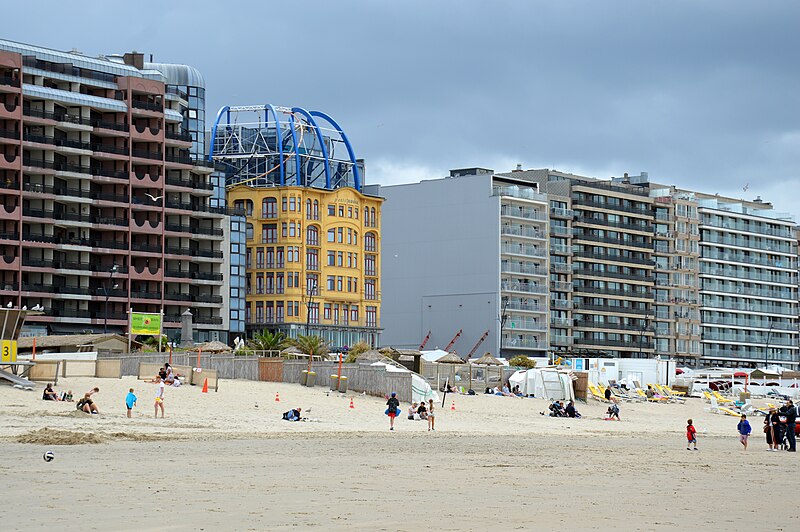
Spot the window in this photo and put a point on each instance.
(279, 258)
(339, 283)
(331, 235)
(366, 216)
(331, 283)
(248, 259)
(340, 234)
(312, 284)
(331, 258)
(259, 312)
(249, 232)
(309, 211)
(292, 230)
(349, 212)
(270, 284)
(292, 206)
(312, 259)
(269, 208)
(369, 289)
(369, 265)
(354, 313)
(284, 203)
(284, 229)
(372, 220)
(349, 236)
(341, 211)
(259, 283)
(313, 313)
(372, 316)
(279, 283)
(331, 210)
(335, 313)
(370, 243)
(312, 235)
(326, 311)
(316, 210)
(270, 257)
(279, 312)
(269, 233)
(259, 259)
(340, 259)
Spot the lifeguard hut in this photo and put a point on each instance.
(11, 369)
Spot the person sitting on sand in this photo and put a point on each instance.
(86, 404)
(650, 393)
(422, 411)
(66, 396)
(169, 375)
(412, 411)
(293, 414)
(613, 412)
(450, 388)
(571, 411)
(48, 394)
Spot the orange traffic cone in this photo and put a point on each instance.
(205, 385)
(453, 405)
(351, 403)
(277, 397)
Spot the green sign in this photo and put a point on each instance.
(142, 323)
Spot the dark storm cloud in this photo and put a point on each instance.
(697, 93)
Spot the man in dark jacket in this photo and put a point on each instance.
(790, 412)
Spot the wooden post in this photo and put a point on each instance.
(199, 351)
(33, 356)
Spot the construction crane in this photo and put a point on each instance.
(425, 341)
(482, 338)
(453, 341)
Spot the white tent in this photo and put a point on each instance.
(433, 356)
(420, 389)
(544, 383)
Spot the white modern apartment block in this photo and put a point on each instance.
(466, 261)
(748, 274)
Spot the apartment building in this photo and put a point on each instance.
(312, 229)
(105, 194)
(466, 264)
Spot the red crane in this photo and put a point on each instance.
(485, 335)
(453, 341)
(425, 341)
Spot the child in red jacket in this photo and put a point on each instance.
(691, 435)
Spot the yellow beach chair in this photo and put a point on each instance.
(720, 398)
(673, 392)
(596, 393)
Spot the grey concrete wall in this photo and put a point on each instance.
(452, 267)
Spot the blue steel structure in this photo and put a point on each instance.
(268, 146)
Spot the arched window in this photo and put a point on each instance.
(370, 242)
(312, 235)
(366, 216)
(316, 210)
(309, 212)
(269, 208)
(372, 221)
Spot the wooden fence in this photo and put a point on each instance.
(374, 380)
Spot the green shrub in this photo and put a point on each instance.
(521, 361)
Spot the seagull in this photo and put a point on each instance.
(154, 198)
(36, 307)
(24, 307)
(9, 305)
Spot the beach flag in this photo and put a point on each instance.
(351, 403)
(277, 397)
(453, 405)
(205, 385)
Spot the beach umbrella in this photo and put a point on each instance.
(488, 360)
(212, 347)
(678, 371)
(740, 374)
(450, 358)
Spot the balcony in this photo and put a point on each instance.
(589, 272)
(561, 286)
(182, 137)
(560, 267)
(558, 212)
(528, 288)
(10, 81)
(561, 322)
(179, 159)
(524, 269)
(615, 258)
(614, 309)
(560, 249)
(633, 346)
(635, 294)
(147, 106)
(145, 295)
(60, 142)
(146, 226)
(560, 304)
(754, 227)
(9, 235)
(760, 259)
(520, 249)
(628, 242)
(561, 340)
(147, 154)
(748, 291)
(12, 134)
(589, 324)
(515, 324)
(523, 212)
(518, 192)
(645, 228)
(752, 275)
(110, 125)
(526, 232)
(110, 148)
(642, 210)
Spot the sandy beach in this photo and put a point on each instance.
(226, 461)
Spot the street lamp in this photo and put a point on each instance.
(503, 319)
(311, 288)
(641, 335)
(107, 293)
(766, 344)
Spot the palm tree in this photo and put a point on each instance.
(312, 345)
(268, 341)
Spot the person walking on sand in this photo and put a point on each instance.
(790, 414)
(393, 409)
(691, 435)
(130, 401)
(159, 396)
(744, 430)
(431, 416)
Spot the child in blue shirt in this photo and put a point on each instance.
(744, 430)
(130, 401)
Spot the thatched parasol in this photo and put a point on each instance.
(450, 358)
(488, 360)
(212, 347)
(371, 356)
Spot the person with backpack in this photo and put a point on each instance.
(393, 409)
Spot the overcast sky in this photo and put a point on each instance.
(700, 94)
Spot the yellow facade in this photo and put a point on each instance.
(313, 261)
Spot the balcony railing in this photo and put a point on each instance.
(616, 258)
(528, 251)
(176, 135)
(106, 124)
(643, 210)
(523, 231)
(10, 81)
(149, 106)
(528, 288)
(647, 228)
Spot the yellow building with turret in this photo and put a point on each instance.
(312, 261)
